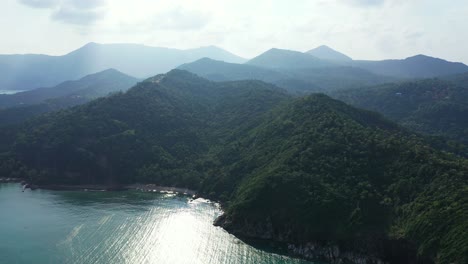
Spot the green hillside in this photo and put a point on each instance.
(294, 79)
(431, 106)
(18, 107)
(294, 170)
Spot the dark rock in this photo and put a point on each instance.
(362, 250)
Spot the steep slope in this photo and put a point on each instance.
(294, 170)
(419, 66)
(91, 86)
(337, 182)
(326, 53)
(25, 72)
(431, 106)
(17, 115)
(279, 58)
(163, 120)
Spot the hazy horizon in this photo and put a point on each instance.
(361, 29)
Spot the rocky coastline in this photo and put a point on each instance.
(360, 251)
(333, 252)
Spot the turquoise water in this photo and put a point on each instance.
(116, 227)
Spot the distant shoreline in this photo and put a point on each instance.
(10, 92)
(103, 187)
(157, 188)
(5, 180)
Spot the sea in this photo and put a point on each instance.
(43, 226)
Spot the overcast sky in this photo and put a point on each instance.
(362, 29)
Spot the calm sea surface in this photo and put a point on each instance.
(116, 227)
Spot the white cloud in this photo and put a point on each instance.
(77, 16)
(40, 3)
(181, 19)
(78, 12)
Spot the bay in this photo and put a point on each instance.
(44, 226)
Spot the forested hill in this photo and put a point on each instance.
(297, 170)
(90, 86)
(295, 79)
(16, 108)
(419, 66)
(431, 106)
(280, 58)
(317, 168)
(166, 117)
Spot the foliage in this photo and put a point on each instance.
(16, 108)
(298, 79)
(314, 167)
(431, 106)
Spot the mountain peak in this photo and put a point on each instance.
(326, 53)
(281, 58)
(110, 73)
(215, 52)
(90, 44)
(421, 57)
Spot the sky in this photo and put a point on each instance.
(362, 29)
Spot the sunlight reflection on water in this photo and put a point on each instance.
(121, 227)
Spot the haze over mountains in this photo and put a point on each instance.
(318, 70)
(311, 78)
(326, 53)
(15, 108)
(25, 72)
(90, 86)
(419, 66)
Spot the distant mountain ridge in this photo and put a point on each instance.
(294, 79)
(430, 106)
(91, 86)
(326, 53)
(18, 107)
(281, 58)
(25, 72)
(419, 66)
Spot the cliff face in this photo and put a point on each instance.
(364, 250)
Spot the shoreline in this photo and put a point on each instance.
(157, 188)
(103, 187)
(7, 180)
